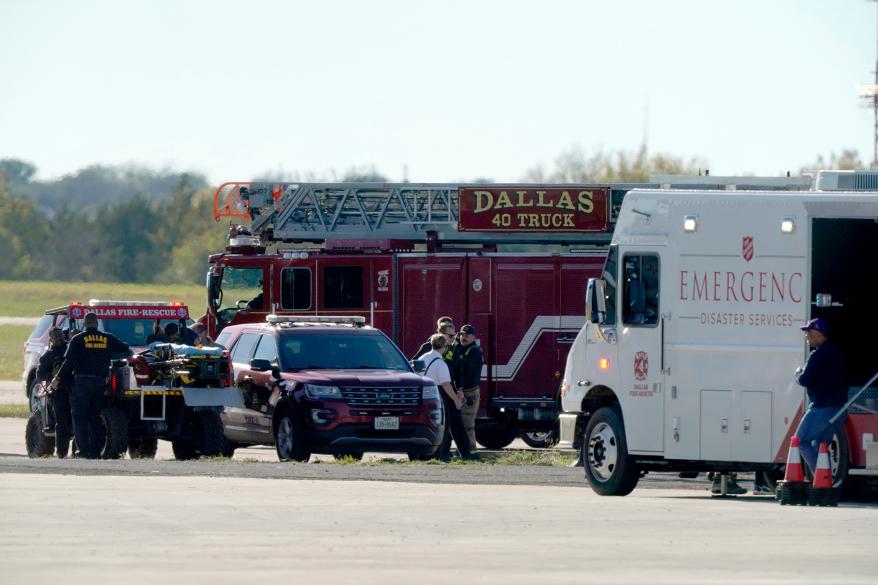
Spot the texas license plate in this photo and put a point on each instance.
(386, 423)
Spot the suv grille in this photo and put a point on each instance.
(382, 396)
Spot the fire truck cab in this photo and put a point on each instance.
(686, 360)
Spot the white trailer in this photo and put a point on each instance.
(692, 336)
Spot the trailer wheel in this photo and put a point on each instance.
(37, 443)
(495, 436)
(144, 448)
(608, 467)
(115, 428)
(541, 439)
(229, 448)
(839, 461)
(184, 450)
(211, 439)
(288, 441)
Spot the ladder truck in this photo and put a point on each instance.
(513, 260)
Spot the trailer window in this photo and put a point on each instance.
(295, 292)
(641, 293)
(343, 287)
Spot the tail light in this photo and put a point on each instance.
(114, 382)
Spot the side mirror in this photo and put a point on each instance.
(596, 301)
(260, 365)
(418, 366)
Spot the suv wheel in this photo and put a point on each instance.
(37, 443)
(288, 440)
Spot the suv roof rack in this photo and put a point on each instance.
(292, 320)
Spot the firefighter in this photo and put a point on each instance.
(823, 377)
(88, 358)
(467, 377)
(50, 365)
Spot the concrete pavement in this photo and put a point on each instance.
(221, 530)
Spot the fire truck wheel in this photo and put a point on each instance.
(288, 440)
(143, 448)
(609, 469)
(115, 429)
(37, 443)
(494, 436)
(541, 439)
(210, 433)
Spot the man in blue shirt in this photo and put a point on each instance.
(823, 377)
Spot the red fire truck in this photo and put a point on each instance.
(512, 260)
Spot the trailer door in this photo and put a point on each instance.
(640, 347)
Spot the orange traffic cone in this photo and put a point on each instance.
(820, 493)
(793, 489)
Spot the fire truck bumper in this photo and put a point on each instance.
(568, 430)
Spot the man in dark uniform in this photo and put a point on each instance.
(823, 377)
(467, 376)
(88, 358)
(50, 365)
(444, 326)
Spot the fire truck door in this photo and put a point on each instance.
(640, 351)
(429, 288)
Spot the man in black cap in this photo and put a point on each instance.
(823, 377)
(468, 377)
(88, 358)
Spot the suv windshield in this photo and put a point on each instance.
(132, 331)
(340, 352)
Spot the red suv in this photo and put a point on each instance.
(328, 385)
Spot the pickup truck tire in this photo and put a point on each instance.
(494, 436)
(115, 429)
(37, 443)
(211, 440)
(608, 467)
(289, 442)
(144, 448)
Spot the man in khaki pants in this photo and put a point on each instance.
(467, 377)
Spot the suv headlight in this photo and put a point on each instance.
(430, 393)
(313, 391)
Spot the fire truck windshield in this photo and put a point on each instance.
(235, 289)
(340, 352)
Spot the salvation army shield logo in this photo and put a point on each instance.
(747, 248)
(641, 365)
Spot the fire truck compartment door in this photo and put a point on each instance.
(213, 396)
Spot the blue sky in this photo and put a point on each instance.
(450, 90)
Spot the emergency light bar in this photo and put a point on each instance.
(315, 320)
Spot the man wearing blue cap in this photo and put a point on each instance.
(823, 377)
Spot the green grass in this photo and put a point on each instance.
(28, 298)
(12, 338)
(14, 411)
(546, 458)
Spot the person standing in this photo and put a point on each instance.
(823, 377)
(444, 326)
(48, 368)
(452, 400)
(468, 376)
(88, 359)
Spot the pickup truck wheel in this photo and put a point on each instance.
(288, 441)
(37, 443)
(608, 467)
(143, 448)
(494, 436)
(115, 427)
(211, 440)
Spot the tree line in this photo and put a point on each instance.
(131, 224)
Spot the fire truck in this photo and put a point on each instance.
(686, 361)
(512, 260)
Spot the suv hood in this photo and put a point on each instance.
(355, 378)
